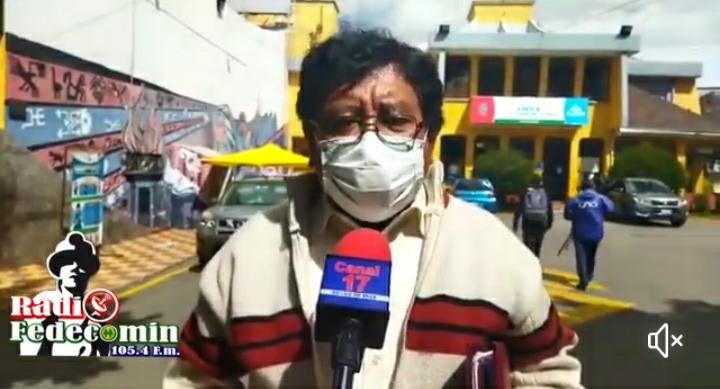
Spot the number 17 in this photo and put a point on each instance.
(362, 282)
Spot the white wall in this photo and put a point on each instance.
(183, 46)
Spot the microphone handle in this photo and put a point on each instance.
(348, 350)
(343, 377)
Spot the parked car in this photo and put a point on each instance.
(641, 199)
(240, 200)
(478, 191)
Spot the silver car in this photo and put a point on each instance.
(639, 199)
(240, 200)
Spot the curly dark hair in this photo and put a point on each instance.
(347, 58)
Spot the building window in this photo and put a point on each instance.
(661, 87)
(486, 143)
(457, 76)
(527, 76)
(561, 77)
(596, 85)
(491, 76)
(452, 155)
(526, 146)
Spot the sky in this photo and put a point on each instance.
(672, 30)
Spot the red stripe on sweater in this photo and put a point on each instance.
(187, 353)
(542, 337)
(443, 341)
(477, 316)
(208, 348)
(447, 325)
(546, 341)
(204, 353)
(250, 330)
(520, 360)
(292, 350)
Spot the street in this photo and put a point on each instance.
(668, 274)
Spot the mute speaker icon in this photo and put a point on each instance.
(659, 340)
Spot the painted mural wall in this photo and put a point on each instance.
(229, 106)
(183, 46)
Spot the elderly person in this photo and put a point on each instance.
(371, 111)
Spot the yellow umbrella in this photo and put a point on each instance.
(268, 155)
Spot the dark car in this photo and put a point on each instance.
(641, 199)
(240, 200)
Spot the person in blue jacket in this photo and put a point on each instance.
(587, 213)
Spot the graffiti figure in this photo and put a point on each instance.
(118, 91)
(143, 131)
(34, 69)
(36, 118)
(98, 88)
(76, 122)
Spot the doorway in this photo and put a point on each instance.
(526, 146)
(452, 155)
(556, 162)
(591, 157)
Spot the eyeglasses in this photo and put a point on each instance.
(395, 131)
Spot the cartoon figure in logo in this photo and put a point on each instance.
(72, 264)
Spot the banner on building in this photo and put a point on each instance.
(86, 198)
(546, 111)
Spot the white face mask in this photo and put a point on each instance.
(370, 180)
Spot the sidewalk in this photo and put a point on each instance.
(122, 265)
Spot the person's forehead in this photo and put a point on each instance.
(383, 85)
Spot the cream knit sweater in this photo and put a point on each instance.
(252, 326)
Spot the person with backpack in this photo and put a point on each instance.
(536, 213)
(587, 214)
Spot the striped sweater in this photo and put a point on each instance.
(252, 326)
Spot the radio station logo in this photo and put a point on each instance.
(72, 321)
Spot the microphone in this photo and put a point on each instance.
(353, 306)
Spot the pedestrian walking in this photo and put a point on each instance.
(587, 214)
(535, 211)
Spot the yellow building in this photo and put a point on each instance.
(568, 101)
(557, 97)
(313, 21)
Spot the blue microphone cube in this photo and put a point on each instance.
(355, 284)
